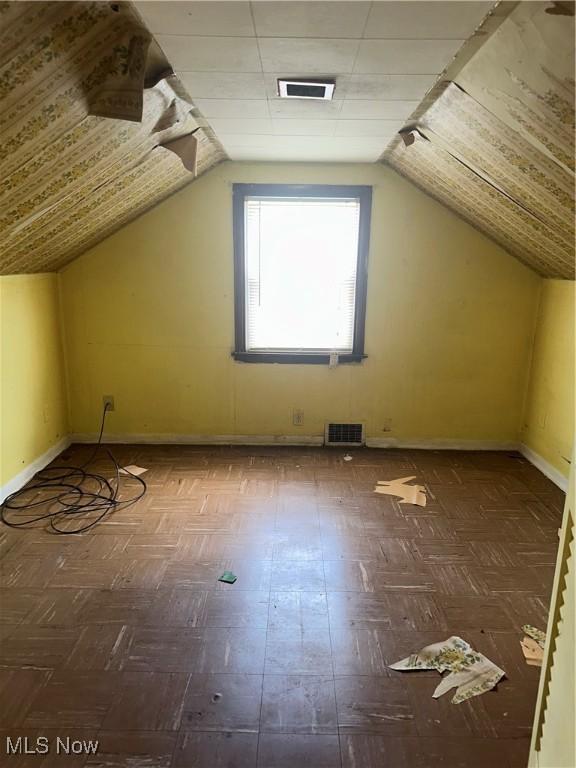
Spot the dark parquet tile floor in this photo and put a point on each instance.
(124, 634)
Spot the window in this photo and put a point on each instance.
(300, 258)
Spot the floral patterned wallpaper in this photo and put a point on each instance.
(83, 121)
(497, 145)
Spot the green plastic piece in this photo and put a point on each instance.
(228, 577)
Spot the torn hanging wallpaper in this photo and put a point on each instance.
(89, 117)
(497, 144)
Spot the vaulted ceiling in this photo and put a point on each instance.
(383, 56)
(95, 127)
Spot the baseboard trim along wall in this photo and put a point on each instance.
(545, 467)
(442, 445)
(28, 472)
(295, 440)
(19, 480)
(171, 439)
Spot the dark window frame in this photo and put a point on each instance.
(239, 194)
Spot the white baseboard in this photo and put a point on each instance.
(545, 467)
(169, 439)
(442, 444)
(296, 440)
(28, 472)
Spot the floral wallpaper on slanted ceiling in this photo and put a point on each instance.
(497, 145)
(84, 119)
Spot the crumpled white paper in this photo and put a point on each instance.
(471, 673)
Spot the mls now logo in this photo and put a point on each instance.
(22, 745)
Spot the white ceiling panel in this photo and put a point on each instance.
(308, 109)
(247, 141)
(223, 85)
(302, 148)
(209, 54)
(409, 57)
(299, 55)
(389, 86)
(295, 127)
(362, 109)
(310, 19)
(299, 142)
(384, 56)
(312, 153)
(425, 20)
(238, 125)
(233, 19)
(232, 107)
(385, 128)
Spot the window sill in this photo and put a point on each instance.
(295, 358)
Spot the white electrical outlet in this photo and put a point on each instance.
(108, 400)
(297, 417)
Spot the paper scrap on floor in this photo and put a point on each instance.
(532, 652)
(132, 469)
(471, 673)
(410, 494)
(535, 634)
(533, 645)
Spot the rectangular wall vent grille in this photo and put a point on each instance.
(344, 434)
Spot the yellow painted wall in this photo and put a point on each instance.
(549, 414)
(33, 414)
(149, 319)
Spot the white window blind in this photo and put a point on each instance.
(300, 259)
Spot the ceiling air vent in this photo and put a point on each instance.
(344, 434)
(306, 89)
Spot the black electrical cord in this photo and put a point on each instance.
(76, 494)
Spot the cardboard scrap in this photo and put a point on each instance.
(228, 577)
(533, 645)
(471, 673)
(410, 494)
(132, 469)
(532, 652)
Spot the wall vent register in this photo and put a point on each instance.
(344, 434)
